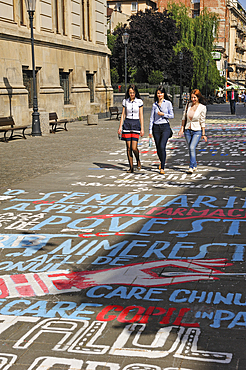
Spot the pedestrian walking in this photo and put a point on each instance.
(193, 125)
(162, 111)
(233, 98)
(132, 124)
(239, 97)
(244, 98)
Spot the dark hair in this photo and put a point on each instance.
(163, 91)
(134, 88)
(201, 98)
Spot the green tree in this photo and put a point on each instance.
(152, 36)
(185, 65)
(114, 76)
(155, 77)
(132, 74)
(111, 40)
(198, 35)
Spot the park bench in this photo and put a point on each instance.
(7, 124)
(114, 111)
(54, 121)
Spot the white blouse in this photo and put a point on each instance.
(198, 120)
(132, 107)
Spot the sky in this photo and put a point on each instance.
(243, 3)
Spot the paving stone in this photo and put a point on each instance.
(104, 269)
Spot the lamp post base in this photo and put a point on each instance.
(36, 131)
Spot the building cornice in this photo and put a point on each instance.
(49, 42)
(230, 5)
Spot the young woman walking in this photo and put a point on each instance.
(162, 111)
(132, 124)
(193, 126)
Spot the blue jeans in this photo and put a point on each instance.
(192, 138)
(161, 134)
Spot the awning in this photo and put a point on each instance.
(235, 86)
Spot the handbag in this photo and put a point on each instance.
(171, 133)
(186, 114)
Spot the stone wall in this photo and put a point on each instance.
(73, 44)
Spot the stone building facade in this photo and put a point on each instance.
(230, 45)
(71, 58)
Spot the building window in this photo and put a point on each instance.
(83, 20)
(88, 21)
(28, 83)
(90, 84)
(56, 18)
(134, 7)
(118, 7)
(196, 13)
(64, 82)
(196, 10)
(21, 11)
(63, 19)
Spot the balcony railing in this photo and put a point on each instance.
(237, 6)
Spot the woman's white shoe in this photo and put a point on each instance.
(190, 170)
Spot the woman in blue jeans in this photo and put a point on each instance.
(162, 110)
(193, 126)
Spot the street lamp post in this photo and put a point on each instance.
(125, 39)
(206, 95)
(36, 131)
(181, 87)
(105, 85)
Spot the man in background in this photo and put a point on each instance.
(233, 98)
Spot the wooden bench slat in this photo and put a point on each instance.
(114, 111)
(8, 124)
(54, 121)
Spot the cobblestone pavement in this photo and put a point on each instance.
(104, 269)
(24, 159)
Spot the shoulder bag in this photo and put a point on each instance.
(186, 108)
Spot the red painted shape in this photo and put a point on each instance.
(41, 283)
(181, 314)
(101, 315)
(124, 313)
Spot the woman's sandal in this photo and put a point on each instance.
(130, 170)
(162, 172)
(139, 167)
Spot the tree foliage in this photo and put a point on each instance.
(155, 77)
(114, 76)
(184, 65)
(155, 40)
(198, 35)
(111, 41)
(152, 38)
